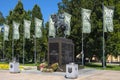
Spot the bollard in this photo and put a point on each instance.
(14, 67)
(71, 71)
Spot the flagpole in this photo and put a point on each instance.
(3, 46)
(13, 44)
(34, 36)
(35, 51)
(103, 61)
(103, 49)
(38, 24)
(82, 50)
(82, 42)
(12, 48)
(23, 42)
(34, 48)
(23, 47)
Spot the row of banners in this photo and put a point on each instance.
(107, 19)
(86, 25)
(27, 24)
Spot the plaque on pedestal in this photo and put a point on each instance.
(60, 50)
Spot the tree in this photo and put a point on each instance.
(17, 14)
(93, 41)
(41, 47)
(113, 39)
(74, 8)
(2, 20)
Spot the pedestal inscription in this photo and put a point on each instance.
(60, 50)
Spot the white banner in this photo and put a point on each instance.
(52, 31)
(86, 25)
(27, 24)
(67, 21)
(6, 32)
(15, 30)
(38, 27)
(108, 19)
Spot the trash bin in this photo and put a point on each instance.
(71, 71)
(14, 67)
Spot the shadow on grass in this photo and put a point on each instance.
(91, 65)
(99, 66)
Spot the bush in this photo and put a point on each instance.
(54, 66)
(45, 68)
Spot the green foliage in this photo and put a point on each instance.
(2, 19)
(93, 41)
(113, 39)
(42, 42)
(18, 14)
(54, 66)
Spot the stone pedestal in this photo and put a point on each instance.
(71, 71)
(14, 67)
(60, 50)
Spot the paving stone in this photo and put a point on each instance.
(84, 74)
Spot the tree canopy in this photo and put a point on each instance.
(18, 14)
(93, 41)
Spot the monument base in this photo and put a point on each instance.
(60, 50)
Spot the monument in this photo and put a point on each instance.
(60, 49)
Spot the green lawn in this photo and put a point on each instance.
(88, 65)
(99, 66)
(31, 64)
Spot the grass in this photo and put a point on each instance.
(3, 63)
(88, 65)
(28, 64)
(5, 66)
(99, 66)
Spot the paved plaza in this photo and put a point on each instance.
(84, 74)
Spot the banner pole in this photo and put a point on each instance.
(35, 49)
(82, 50)
(103, 50)
(12, 48)
(23, 47)
(103, 60)
(3, 46)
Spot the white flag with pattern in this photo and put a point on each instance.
(15, 30)
(6, 32)
(38, 27)
(67, 21)
(51, 28)
(108, 18)
(86, 25)
(27, 24)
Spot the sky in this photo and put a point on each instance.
(48, 7)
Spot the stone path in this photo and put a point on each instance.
(84, 74)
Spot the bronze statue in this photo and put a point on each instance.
(59, 23)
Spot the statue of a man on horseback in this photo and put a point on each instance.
(60, 24)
